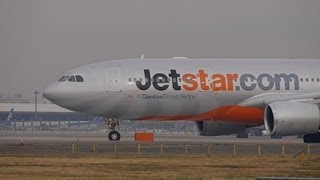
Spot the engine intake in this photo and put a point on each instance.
(291, 118)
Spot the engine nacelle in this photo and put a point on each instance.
(216, 128)
(291, 118)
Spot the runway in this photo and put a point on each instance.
(44, 144)
(129, 137)
(170, 156)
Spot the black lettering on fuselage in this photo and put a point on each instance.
(148, 82)
(219, 82)
(174, 77)
(160, 82)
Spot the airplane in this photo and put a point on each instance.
(222, 96)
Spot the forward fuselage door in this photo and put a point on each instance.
(113, 80)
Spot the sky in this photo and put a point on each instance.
(42, 39)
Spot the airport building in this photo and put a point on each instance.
(52, 118)
(12, 98)
(23, 116)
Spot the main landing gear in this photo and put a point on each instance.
(113, 134)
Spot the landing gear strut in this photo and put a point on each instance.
(113, 134)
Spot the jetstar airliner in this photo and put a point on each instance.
(222, 96)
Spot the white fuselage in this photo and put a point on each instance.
(170, 89)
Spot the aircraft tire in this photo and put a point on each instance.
(114, 136)
(312, 138)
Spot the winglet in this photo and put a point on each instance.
(142, 57)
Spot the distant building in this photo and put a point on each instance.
(26, 112)
(48, 117)
(12, 98)
(58, 118)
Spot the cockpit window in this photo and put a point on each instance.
(63, 78)
(79, 78)
(71, 79)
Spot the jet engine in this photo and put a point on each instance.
(291, 118)
(216, 128)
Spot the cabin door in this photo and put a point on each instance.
(113, 80)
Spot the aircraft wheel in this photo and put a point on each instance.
(312, 138)
(114, 136)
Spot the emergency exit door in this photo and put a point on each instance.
(113, 80)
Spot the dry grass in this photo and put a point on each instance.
(156, 168)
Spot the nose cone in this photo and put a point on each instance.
(53, 93)
(48, 93)
(66, 96)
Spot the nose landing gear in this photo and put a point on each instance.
(113, 134)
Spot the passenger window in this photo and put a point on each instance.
(71, 79)
(129, 79)
(79, 78)
(63, 78)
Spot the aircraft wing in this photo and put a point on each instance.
(261, 100)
